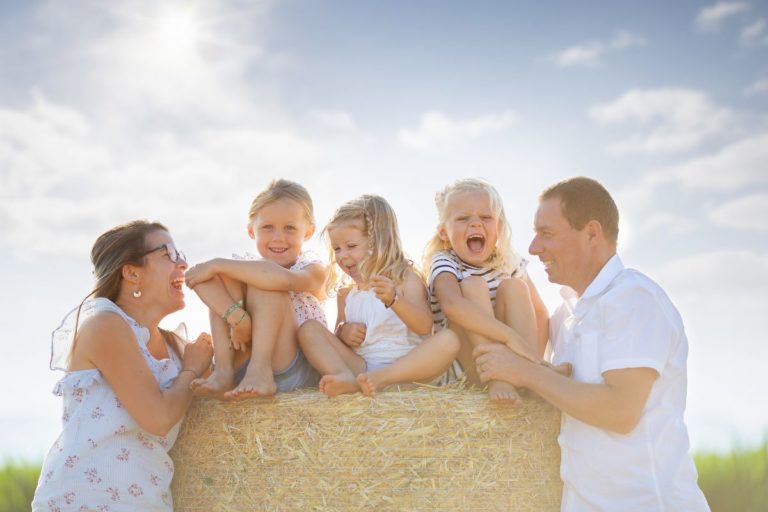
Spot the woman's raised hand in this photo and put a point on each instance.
(384, 289)
(198, 354)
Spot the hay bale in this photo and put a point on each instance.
(416, 449)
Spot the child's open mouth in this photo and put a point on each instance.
(476, 243)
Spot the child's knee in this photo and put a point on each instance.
(308, 330)
(257, 295)
(513, 288)
(474, 286)
(450, 341)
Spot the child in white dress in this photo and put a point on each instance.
(257, 303)
(383, 315)
(477, 283)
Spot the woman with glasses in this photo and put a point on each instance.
(126, 383)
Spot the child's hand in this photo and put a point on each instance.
(198, 354)
(352, 334)
(384, 289)
(199, 273)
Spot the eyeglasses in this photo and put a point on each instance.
(173, 254)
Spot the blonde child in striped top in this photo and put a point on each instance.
(477, 283)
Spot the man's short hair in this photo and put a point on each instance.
(583, 199)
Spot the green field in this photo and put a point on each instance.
(736, 481)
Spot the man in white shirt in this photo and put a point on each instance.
(623, 441)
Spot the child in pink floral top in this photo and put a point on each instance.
(279, 291)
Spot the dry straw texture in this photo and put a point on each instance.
(417, 449)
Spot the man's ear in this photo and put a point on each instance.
(251, 232)
(310, 231)
(594, 231)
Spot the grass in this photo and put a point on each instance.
(735, 481)
(17, 485)
(732, 481)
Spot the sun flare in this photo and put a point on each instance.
(177, 30)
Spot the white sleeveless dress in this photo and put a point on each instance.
(103, 460)
(387, 338)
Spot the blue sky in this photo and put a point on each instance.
(183, 111)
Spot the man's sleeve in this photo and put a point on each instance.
(637, 333)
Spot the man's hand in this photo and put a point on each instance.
(496, 361)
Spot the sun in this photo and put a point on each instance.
(178, 30)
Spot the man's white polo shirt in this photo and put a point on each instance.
(625, 320)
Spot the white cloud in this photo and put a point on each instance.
(750, 212)
(679, 118)
(710, 18)
(438, 130)
(590, 54)
(725, 274)
(755, 34)
(738, 165)
(336, 119)
(758, 87)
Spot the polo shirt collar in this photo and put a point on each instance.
(607, 274)
(602, 280)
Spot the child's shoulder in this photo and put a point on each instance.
(307, 258)
(443, 259)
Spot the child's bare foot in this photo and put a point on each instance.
(338, 384)
(502, 392)
(370, 383)
(258, 382)
(215, 386)
(241, 332)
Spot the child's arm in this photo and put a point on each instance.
(410, 304)
(542, 317)
(351, 333)
(471, 316)
(263, 274)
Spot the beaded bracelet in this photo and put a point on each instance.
(233, 307)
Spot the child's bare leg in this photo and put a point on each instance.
(219, 294)
(335, 361)
(514, 308)
(239, 321)
(222, 378)
(424, 363)
(476, 290)
(273, 345)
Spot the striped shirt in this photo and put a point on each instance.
(448, 261)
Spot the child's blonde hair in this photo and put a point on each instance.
(283, 189)
(376, 219)
(503, 256)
